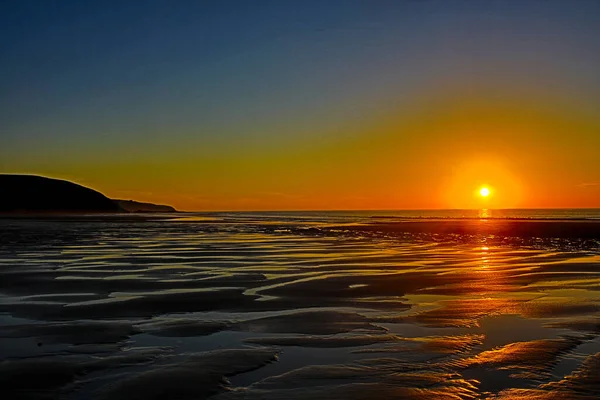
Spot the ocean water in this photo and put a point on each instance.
(461, 304)
(362, 215)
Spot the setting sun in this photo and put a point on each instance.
(484, 192)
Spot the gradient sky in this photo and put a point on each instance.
(222, 105)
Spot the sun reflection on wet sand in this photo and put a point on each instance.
(484, 213)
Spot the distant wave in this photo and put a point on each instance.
(401, 218)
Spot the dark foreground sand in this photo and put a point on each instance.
(156, 308)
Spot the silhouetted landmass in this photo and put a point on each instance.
(136, 206)
(38, 194)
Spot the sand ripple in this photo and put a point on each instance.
(255, 308)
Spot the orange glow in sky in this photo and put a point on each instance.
(405, 161)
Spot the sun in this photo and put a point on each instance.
(484, 192)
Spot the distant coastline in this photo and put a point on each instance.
(32, 194)
(133, 206)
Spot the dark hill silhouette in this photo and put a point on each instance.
(30, 193)
(136, 206)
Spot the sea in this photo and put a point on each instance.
(361, 215)
(414, 304)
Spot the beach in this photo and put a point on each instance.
(300, 200)
(300, 306)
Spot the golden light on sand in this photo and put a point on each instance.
(484, 192)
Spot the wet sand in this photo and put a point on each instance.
(192, 307)
(562, 229)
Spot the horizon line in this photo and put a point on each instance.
(397, 209)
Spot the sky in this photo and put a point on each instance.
(292, 105)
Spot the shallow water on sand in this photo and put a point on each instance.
(262, 306)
